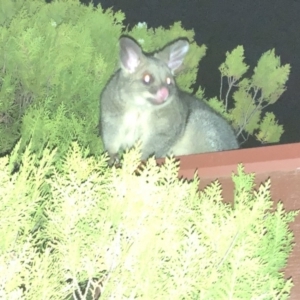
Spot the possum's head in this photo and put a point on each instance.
(149, 80)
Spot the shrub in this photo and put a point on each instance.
(135, 232)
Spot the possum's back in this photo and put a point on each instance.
(206, 131)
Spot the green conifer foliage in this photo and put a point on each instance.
(55, 59)
(136, 232)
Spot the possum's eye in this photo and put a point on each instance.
(147, 78)
(168, 80)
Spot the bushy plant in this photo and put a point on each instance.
(55, 59)
(136, 232)
(251, 96)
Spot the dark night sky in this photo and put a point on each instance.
(258, 25)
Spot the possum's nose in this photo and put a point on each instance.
(162, 95)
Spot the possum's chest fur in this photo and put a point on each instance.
(135, 127)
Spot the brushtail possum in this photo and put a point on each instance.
(142, 102)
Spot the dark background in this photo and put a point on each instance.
(258, 25)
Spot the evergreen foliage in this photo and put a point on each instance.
(55, 59)
(252, 95)
(136, 232)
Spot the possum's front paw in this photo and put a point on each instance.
(114, 160)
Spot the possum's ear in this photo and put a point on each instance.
(130, 54)
(174, 54)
